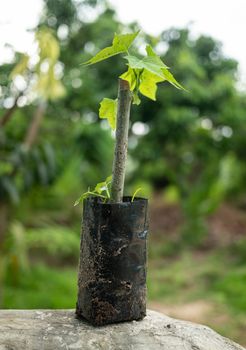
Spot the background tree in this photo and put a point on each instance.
(21, 165)
(194, 135)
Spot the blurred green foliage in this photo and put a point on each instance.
(188, 146)
(42, 288)
(191, 140)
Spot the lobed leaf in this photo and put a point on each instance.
(170, 78)
(151, 53)
(97, 192)
(131, 76)
(152, 62)
(148, 84)
(144, 74)
(108, 110)
(120, 44)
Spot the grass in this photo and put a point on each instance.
(42, 287)
(212, 277)
(191, 275)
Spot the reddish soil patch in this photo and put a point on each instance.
(164, 218)
(198, 311)
(225, 226)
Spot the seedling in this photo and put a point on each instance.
(142, 76)
(112, 268)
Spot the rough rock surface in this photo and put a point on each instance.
(59, 329)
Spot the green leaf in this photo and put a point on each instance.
(150, 63)
(144, 74)
(136, 99)
(100, 187)
(103, 186)
(108, 110)
(131, 76)
(170, 78)
(121, 43)
(97, 192)
(79, 200)
(148, 84)
(86, 195)
(108, 179)
(142, 80)
(151, 53)
(135, 193)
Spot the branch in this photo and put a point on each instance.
(8, 114)
(32, 132)
(120, 153)
(33, 129)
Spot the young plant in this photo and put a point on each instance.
(101, 190)
(142, 76)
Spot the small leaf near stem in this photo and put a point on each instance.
(120, 44)
(135, 193)
(108, 110)
(97, 192)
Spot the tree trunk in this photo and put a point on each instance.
(34, 126)
(120, 153)
(8, 114)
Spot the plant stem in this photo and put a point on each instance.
(120, 152)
